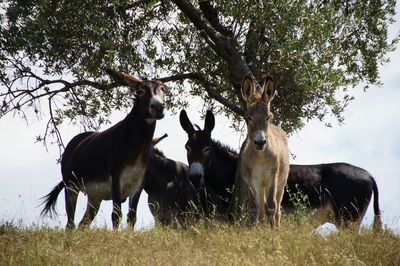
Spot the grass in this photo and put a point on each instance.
(204, 243)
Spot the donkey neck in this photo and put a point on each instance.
(132, 137)
(136, 121)
(156, 181)
(222, 168)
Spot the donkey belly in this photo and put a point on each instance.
(131, 179)
(99, 190)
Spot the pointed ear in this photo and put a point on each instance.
(209, 122)
(268, 89)
(162, 84)
(155, 141)
(124, 79)
(185, 123)
(248, 86)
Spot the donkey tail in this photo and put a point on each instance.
(50, 200)
(377, 219)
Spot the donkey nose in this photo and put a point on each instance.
(157, 106)
(260, 143)
(158, 110)
(196, 169)
(260, 139)
(197, 180)
(196, 173)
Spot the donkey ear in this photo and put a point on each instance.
(155, 141)
(209, 122)
(268, 89)
(185, 122)
(248, 86)
(162, 84)
(124, 79)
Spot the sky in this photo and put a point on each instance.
(369, 138)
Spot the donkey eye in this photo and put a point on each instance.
(248, 118)
(206, 150)
(140, 92)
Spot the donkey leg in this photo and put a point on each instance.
(272, 206)
(279, 197)
(116, 198)
(92, 207)
(358, 219)
(71, 197)
(133, 202)
(259, 195)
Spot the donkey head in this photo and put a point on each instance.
(149, 94)
(258, 115)
(198, 146)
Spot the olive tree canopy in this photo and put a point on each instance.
(53, 54)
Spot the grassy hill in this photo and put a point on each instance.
(204, 243)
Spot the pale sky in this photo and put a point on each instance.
(370, 138)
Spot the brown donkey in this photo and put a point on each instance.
(264, 158)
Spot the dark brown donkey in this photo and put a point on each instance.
(264, 157)
(111, 164)
(174, 198)
(210, 163)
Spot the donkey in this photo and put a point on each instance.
(111, 164)
(340, 192)
(210, 161)
(163, 175)
(172, 196)
(264, 157)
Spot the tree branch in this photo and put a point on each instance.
(55, 127)
(225, 46)
(21, 97)
(135, 3)
(69, 85)
(208, 87)
(36, 88)
(195, 17)
(211, 14)
(254, 36)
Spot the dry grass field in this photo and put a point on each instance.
(203, 243)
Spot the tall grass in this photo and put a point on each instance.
(203, 243)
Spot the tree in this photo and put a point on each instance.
(53, 54)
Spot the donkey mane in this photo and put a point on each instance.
(221, 149)
(224, 150)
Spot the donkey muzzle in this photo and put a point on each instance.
(157, 107)
(196, 174)
(260, 140)
(260, 144)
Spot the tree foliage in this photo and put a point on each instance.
(52, 54)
